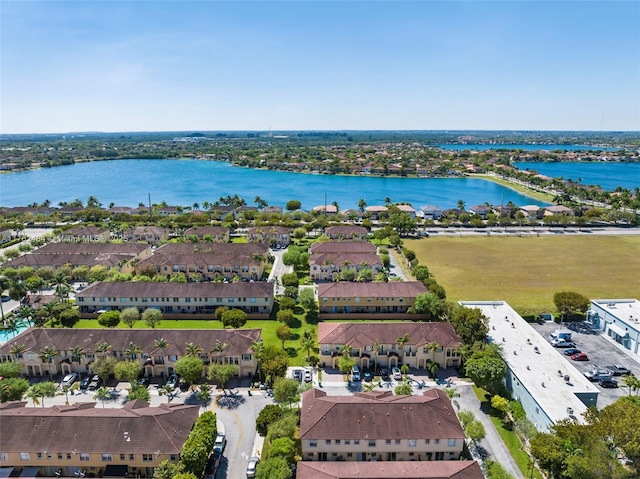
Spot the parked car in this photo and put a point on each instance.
(608, 383)
(618, 369)
(84, 384)
(221, 442)
(571, 351)
(69, 379)
(95, 383)
(252, 466)
(563, 344)
(384, 374)
(367, 375)
(144, 382)
(355, 373)
(598, 374)
(580, 357)
(307, 376)
(397, 374)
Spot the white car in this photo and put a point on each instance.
(397, 375)
(307, 376)
(221, 441)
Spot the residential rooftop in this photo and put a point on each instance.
(389, 470)
(128, 289)
(393, 289)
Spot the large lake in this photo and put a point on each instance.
(607, 174)
(184, 182)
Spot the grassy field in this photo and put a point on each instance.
(516, 187)
(526, 272)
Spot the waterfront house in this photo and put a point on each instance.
(559, 210)
(328, 209)
(155, 360)
(532, 212)
(407, 209)
(379, 426)
(377, 344)
(84, 439)
(391, 300)
(430, 212)
(178, 300)
(481, 210)
(375, 211)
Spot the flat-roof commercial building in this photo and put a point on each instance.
(620, 320)
(542, 379)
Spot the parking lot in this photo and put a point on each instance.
(601, 352)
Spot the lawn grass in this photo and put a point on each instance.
(509, 437)
(268, 326)
(527, 271)
(516, 187)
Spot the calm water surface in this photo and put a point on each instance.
(184, 182)
(607, 174)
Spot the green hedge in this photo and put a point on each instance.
(199, 444)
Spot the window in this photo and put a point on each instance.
(356, 442)
(337, 442)
(49, 456)
(347, 442)
(60, 456)
(132, 457)
(412, 443)
(397, 442)
(3, 456)
(313, 443)
(327, 441)
(387, 442)
(39, 455)
(427, 441)
(452, 443)
(85, 456)
(122, 457)
(372, 443)
(68, 456)
(349, 454)
(439, 456)
(173, 457)
(437, 441)
(107, 458)
(25, 456)
(147, 458)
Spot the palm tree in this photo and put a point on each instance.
(362, 204)
(60, 283)
(17, 349)
(12, 325)
(102, 394)
(26, 313)
(103, 348)
(17, 291)
(192, 349)
(387, 201)
(133, 350)
(307, 342)
(161, 344)
(632, 382)
(218, 348)
(76, 354)
(48, 353)
(376, 347)
(432, 347)
(4, 284)
(345, 350)
(402, 340)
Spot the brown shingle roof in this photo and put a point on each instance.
(346, 230)
(268, 230)
(389, 470)
(238, 340)
(218, 248)
(365, 334)
(207, 230)
(343, 247)
(58, 260)
(203, 259)
(85, 231)
(342, 259)
(131, 249)
(137, 429)
(393, 289)
(378, 415)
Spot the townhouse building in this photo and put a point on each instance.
(342, 247)
(84, 439)
(271, 235)
(217, 248)
(215, 234)
(333, 266)
(86, 234)
(347, 233)
(379, 426)
(377, 344)
(178, 300)
(390, 470)
(153, 235)
(158, 358)
(203, 266)
(392, 300)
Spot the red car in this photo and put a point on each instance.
(580, 357)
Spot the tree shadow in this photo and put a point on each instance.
(299, 310)
(294, 337)
(295, 323)
(311, 317)
(230, 401)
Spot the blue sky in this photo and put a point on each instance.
(207, 65)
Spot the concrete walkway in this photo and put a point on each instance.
(492, 443)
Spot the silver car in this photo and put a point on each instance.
(252, 466)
